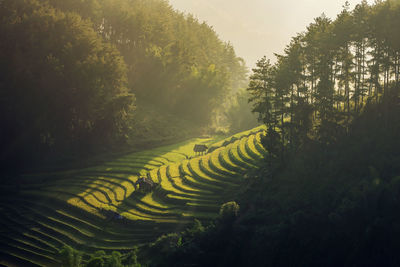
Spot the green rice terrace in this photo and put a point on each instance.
(98, 208)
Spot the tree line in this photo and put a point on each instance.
(73, 73)
(174, 61)
(326, 194)
(327, 75)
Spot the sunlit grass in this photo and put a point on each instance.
(149, 198)
(240, 135)
(214, 158)
(189, 187)
(251, 146)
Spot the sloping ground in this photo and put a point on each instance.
(79, 208)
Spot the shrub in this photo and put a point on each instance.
(70, 257)
(95, 262)
(167, 243)
(229, 211)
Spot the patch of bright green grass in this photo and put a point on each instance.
(72, 211)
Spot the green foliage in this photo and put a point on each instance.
(340, 196)
(82, 63)
(70, 257)
(272, 143)
(61, 85)
(116, 259)
(174, 62)
(95, 262)
(130, 259)
(328, 73)
(331, 105)
(167, 243)
(197, 228)
(261, 90)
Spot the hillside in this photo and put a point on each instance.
(325, 205)
(83, 77)
(114, 117)
(79, 207)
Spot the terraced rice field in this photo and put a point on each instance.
(73, 207)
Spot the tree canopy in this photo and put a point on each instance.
(329, 73)
(61, 85)
(174, 61)
(72, 73)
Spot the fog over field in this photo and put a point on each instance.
(199, 133)
(259, 27)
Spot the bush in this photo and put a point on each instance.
(70, 257)
(167, 243)
(95, 262)
(229, 211)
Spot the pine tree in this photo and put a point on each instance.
(262, 92)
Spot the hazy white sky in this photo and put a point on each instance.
(259, 27)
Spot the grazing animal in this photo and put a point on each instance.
(200, 149)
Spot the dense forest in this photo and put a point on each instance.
(318, 184)
(328, 74)
(328, 193)
(83, 75)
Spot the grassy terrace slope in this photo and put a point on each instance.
(71, 207)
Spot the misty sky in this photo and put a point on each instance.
(259, 27)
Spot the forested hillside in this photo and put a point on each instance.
(328, 74)
(81, 75)
(328, 191)
(114, 150)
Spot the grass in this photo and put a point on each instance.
(68, 208)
